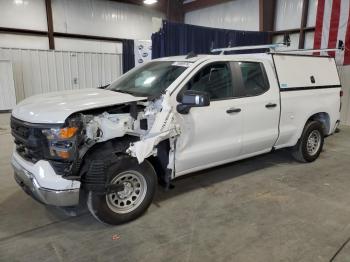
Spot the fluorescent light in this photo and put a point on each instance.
(20, 2)
(150, 2)
(149, 80)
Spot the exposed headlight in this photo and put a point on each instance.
(61, 141)
(60, 133)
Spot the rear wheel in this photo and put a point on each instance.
(139, 184)
(310, 143)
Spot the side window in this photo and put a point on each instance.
(214, 79)
(254, 78)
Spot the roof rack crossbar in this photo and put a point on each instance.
(339, 48)
(249, 47)
(272, 47)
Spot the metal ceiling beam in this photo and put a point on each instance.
(303, 23)
(87, 37)
(20, 31)
(199, 4)
(49, 19)
(267, 16)
(174, 10)
(293, 31)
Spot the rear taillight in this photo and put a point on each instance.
(341, 93)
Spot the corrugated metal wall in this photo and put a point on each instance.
(103, 18)
(41, 71)
(238, 15)
(344, 72)
(87, 17)
(7, 89)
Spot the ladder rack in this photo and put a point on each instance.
(311, 50)
(273, 47)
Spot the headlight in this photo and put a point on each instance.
(61, 141)
(60, 133)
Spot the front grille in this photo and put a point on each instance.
(31, 144)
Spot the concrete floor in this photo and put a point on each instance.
(269, 208)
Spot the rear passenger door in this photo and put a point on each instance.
(260, 107)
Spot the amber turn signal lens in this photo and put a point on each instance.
(63, 154)
(68, 132)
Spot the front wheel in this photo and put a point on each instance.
(139, 181)
(310, 143)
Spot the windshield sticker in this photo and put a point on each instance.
(183, 64)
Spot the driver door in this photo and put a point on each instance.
(210, 135)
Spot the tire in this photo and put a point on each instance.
(121, 207)
(310, 143)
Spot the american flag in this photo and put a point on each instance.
(332, 25)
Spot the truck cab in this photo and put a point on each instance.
(168, 118)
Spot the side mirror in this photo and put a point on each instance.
(191, 98)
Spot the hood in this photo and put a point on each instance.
(55, 107)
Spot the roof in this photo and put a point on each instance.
(206, 57)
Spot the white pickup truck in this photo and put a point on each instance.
(170, 117)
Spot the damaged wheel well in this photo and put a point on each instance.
(160, 162)
(92, 168)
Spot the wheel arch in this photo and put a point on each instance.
(320, 116)
(323, 118)
(160, 162)
(94, 158)
(93, 162)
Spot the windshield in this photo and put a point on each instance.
(149, 80)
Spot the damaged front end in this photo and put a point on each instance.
(143, 129)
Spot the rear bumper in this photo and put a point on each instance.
(29, 180)
(336, 126)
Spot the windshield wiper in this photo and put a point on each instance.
(124, 92)
(130, 93)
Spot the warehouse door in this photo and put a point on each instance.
(42, 71)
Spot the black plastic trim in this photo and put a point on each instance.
(294, 54)
(301, 88)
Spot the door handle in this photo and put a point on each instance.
(270, 105)
(233, 110)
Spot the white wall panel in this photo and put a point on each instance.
(311, 17)
(103, 18)
(80, 45)
(288, 14)
(294, 41)
(238, 14)
(25, 14)
(309, 40)
(24, 41)
(344, 72)
(7, 88)
(40, 71)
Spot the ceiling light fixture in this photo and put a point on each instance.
(149, 2)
